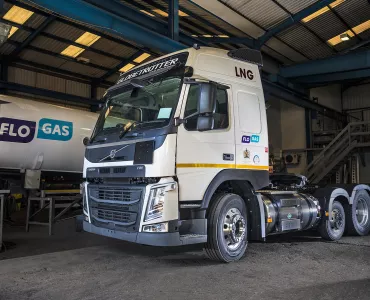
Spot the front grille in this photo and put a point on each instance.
(104, 170)
(116, 194)
(125, 218)
(118, 206)
(119, 170)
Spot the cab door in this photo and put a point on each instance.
(202, 155)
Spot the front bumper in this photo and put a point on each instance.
(152, 239)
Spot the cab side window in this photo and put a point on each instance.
(221, 115)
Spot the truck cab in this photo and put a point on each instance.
(180, 147)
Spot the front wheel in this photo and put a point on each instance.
(333, 228)
(227, 231)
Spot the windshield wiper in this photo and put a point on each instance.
(124, 132)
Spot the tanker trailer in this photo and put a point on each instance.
(41, 142)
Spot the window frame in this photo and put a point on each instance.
(226, 88)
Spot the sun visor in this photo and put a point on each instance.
(248, 55)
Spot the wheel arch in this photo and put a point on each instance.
(243, 183)
(357, 188)
(328, 195)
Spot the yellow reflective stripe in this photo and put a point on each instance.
(229, 166)
(252, 167)
(225, 166)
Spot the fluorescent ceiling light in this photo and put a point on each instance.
(72, 51)
(17, 15)
(182, 14)
(223, 36)
(127, 67)
(344, 37)
(165, 14)
(12, 31)
(207, 35)
(141, 58)
(336, 3)
(147, 13)
(315, 14)
(362, 27)
(337, 39)
(86, 39)
(322, 11)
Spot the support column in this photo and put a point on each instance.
(173, 19)
(4, 75)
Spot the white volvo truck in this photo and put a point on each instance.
(179, 155)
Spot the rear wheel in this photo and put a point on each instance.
(333, 228)
(358, 216)
(227, 228)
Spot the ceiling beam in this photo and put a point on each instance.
(338, 63)
(92, 15)
(312, 80)
(292, 20)
(32, 36)
(47, 52)
(135, 16)
(63, 40)
(120, 65)
(173, 19)
(277, 92)
(74, 24)
(47, 93)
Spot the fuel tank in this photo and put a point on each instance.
(289, 211)
(40, 136)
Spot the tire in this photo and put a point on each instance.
(332, 230)
(358, 215)
(79, 223)
(227, 232)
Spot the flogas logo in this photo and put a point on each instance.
(23, 131)
(246, 139)
(17, 131)
(57, 130)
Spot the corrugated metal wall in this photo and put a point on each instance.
(357, 99)
(48, 82)
(100, 92)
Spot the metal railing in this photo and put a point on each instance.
(353, 136)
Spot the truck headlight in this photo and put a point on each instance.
(156, 199)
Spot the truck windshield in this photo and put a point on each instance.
(148, 106)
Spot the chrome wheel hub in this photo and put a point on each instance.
(234, 229)
(337, 220)
(362, 212)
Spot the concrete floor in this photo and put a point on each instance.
(73, 265)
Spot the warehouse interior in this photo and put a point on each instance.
(68, 53)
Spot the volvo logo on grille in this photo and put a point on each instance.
(113, 153)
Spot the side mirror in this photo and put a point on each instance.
(86, 141)
(205, 123)
(207, 98)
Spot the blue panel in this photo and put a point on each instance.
(334, 77)
(349, 62)
(90, 14)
